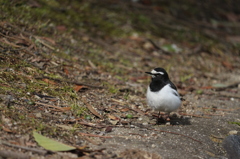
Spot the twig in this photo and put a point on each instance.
(228, 110)
(92, 125)
(41, 152)
(43, 43)
(93, 135)
(217, 137)
(52, 106)
(89, 140)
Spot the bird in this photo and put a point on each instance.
(162, 94)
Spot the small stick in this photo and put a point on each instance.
(92, 125)
(41, 152)
(93, 135)
(52, 106)
(219, 109)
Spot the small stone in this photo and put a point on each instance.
(168, 123)
(132, 126)
(38, 115)
(153, 145)
(145, 123)
(233, 132)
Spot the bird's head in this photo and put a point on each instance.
(158, 74)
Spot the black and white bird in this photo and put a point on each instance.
(162, 94)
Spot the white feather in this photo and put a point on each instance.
(164, 100)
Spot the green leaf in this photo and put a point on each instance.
(129, 116)
(50, 144)
(219, 85)
(232, 122)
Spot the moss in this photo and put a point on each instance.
(237, 123)
(78, 110)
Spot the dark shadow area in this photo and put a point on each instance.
(174, 120)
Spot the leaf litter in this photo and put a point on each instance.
(89, 90)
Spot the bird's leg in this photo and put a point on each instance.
(160, 118)
(159, 114)
(168, 116)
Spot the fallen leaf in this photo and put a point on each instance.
(92, 110)
(108, 129)
(49, 81)
(78, 87)
(49, 40)
(50, 144)
(219, 85)
(61, 28)
(66, 71)
(6, 129)
(207, 87)
(232, 16)
(216, 139)
(227, 65)
(52, 106)
(112, 117)
(66, 108)
(124, 109)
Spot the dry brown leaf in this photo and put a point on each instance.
(92, 110)
(52, 106)
(227, 64)
(61, 28)
(108, 129)
(6, 129)
(49, 81)
(207, 87)
(78, 87)
(66, 71)
(124, 109)
(112, 117)
(67, 108)
(49, 40)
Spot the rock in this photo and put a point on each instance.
(232, 145)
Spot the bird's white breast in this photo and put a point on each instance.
(164, 100)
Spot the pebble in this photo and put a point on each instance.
(168, 123)
(233, 132)
(145, 123)
(38, 115)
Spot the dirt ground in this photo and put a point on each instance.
(75, 72)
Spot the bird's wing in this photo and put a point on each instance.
(173, 86)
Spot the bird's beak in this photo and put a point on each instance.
(148, 73)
